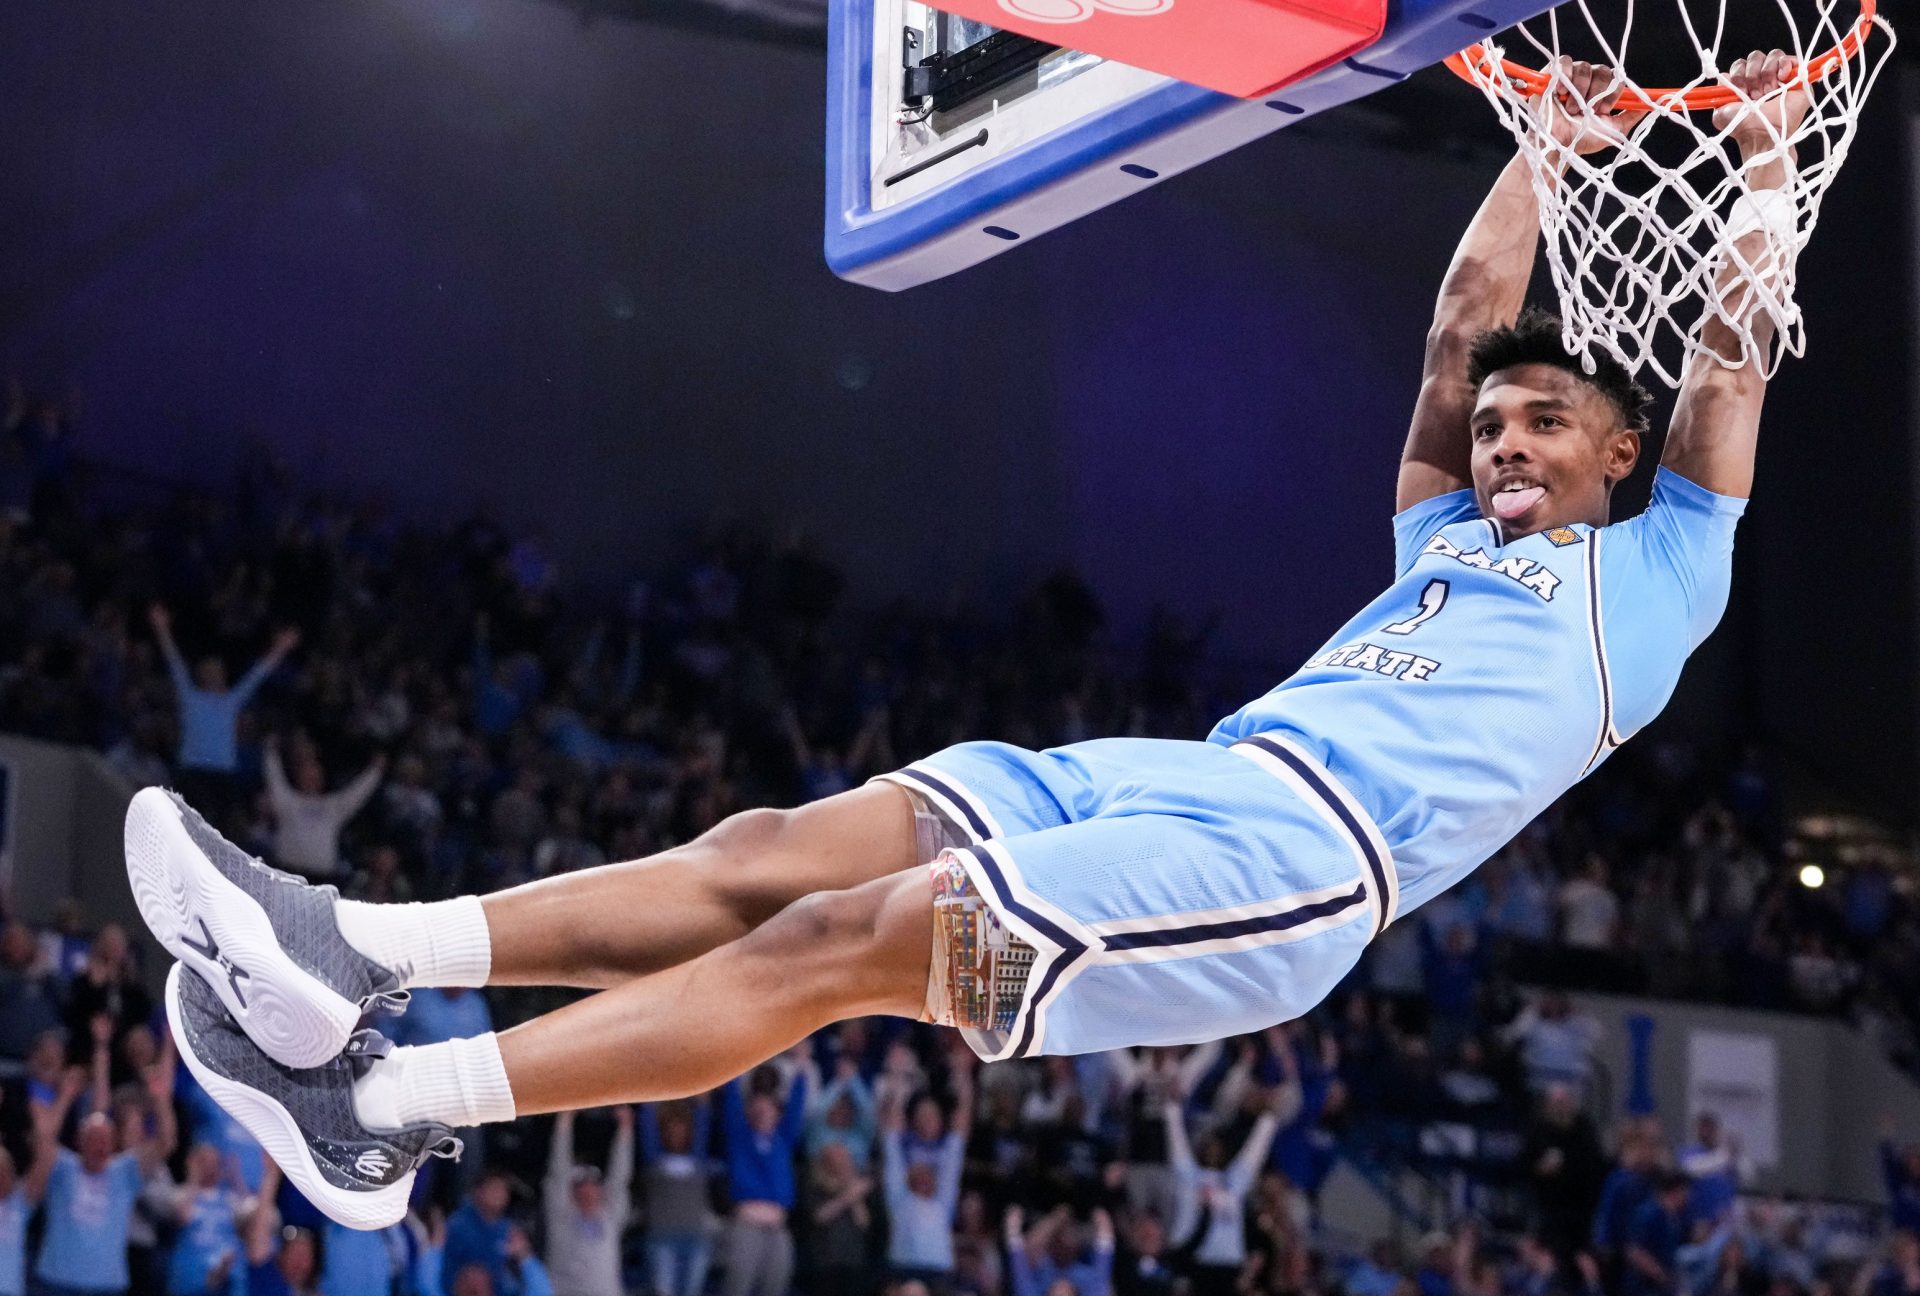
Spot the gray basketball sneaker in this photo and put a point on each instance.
(265, 941)
(305, 1119)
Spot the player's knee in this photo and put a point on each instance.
(832, 922)
(742, 851)
(863, 949)
(747, 835)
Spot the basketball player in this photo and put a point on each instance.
(1111, 893)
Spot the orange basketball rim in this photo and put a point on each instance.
(1529, 82)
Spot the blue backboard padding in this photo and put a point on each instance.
(860, 241)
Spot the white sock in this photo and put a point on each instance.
(459, 1083)
(444, 943)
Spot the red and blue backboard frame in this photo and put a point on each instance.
(1164, 129)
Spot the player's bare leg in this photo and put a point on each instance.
(828, 956)
(603, 926)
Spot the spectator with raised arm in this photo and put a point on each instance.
(20, 1196)
(674, 1183)
(307, 819)
(586, 1213)
(763, 1132)
(209, 755)
(839, 1242)
(1224, 1247)
(91, 1193)
(844, 1114)
(1146, 1080)
(208, 1211)
(1057, 1251)
(923, 1193)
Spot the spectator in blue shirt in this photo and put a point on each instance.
(1714, 1163)
(762, 1136)
(477, 1233)
(674, 1178)
(210, 710)
(1654, 1238)
(1628, 1186)
(923, 1194)
(844, 1114)
(208, 1212)
(91, 1194)
(19, 1196)
(528, 1277)
(1051, 1252)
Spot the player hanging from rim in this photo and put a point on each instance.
(1111, 893)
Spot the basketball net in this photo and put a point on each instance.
(1637, 235)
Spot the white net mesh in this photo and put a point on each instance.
(1636, 235)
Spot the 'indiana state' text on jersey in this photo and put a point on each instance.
(1491, 677)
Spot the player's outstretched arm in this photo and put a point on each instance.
(1486, 285)
(1716, 421)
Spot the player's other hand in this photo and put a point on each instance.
(1579, 108)
(1777, 99)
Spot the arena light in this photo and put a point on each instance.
(1812, 876)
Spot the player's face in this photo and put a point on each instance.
(1547, 448)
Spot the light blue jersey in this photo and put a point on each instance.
(1173, 892)
(209, 1236)
(85, 1245)
(1491, 677)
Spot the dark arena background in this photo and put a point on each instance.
(473, 364)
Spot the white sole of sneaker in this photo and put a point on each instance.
(223, 935)
(277, 1132)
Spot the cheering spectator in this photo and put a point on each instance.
(586, 1214)
(210, 711)
(208, 1213)
(90, 1194)
(1145, 1266)
(1148, 1079)
(479, 1233)
(762, 1136)
(922, 1195)
(842, 1219)
(106, 991)
(20, 1196)
(1041, 1259)
(844, 1114)
(1211, 1176)
(680, 1224)
(307, 819)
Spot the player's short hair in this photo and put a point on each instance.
(1534, 338)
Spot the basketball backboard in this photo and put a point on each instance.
(950, 140)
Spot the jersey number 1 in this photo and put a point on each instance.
(1432, 599)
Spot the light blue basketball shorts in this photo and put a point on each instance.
(1173, 892)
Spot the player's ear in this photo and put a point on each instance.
(1620, 454)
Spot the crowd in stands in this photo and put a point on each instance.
(410, 711)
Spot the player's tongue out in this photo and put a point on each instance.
(1511, 503)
